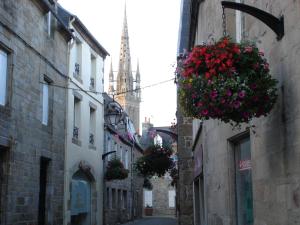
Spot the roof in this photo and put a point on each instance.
(66, 16)
(47, 6)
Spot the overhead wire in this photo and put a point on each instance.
(118, 93)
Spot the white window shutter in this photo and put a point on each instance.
(45, 104)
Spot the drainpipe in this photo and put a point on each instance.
(70, 43)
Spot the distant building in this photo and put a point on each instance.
(162, 198)
(33, 59)
(123, 198)
(84, 126)
(127, 88)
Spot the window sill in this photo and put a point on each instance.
(92, 89)
(78, 78)
(92, 147)
(76, 142)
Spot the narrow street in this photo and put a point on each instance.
(154, 221)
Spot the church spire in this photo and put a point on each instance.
(128, 98)
(138, 81)
(125, 80)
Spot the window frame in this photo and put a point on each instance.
(9, 73)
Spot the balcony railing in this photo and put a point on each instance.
(92, 139)
(75, 132)
(77, 69)
(92, 83)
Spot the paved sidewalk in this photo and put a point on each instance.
(153, 221)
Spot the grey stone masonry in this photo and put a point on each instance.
(33, 57)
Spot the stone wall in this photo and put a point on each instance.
(274, 139)
(160, 192)
(32, 54)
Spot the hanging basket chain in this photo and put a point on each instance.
(224, 21)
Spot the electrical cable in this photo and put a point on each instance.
(96, 92)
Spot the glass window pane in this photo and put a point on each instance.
(244, 183)
(45, 103)
(3, 76)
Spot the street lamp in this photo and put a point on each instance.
(114, 113)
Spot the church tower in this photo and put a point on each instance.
(127, 92)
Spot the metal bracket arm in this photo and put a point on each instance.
(276, 24)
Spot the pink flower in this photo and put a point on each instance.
(246, 115)
(242, 94)
(228, 92)
(194, 96)
(253, 86)
(200, 104)
(236, 104)
(213, 94)
(248, 49)
(204, 112)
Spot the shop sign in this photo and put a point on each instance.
(245, 165)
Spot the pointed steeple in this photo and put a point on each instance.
(111, 80)
(125, 80)
(138, 81)
(125, 94)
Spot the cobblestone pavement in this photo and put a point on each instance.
(154, 221)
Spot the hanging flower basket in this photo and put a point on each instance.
(156, 161)
(115, 170)
(226, 81)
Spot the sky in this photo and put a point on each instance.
(153, 33)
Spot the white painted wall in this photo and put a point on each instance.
(76, 153)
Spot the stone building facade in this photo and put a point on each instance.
(184, 130)
(123, 199)
(162, 197)
(33, 56)
(260, 186)
(84, 126)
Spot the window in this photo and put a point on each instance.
(45, 112)
(50, 24)
(113, 198)
(172, 198)
(78, 57)
(238, 24)
(3, 76)
(119, 203)
(92, 126)
(243, 183)
(107, 198)
(148, 198)
(77, 117)
(126, 159)
(93, 72)
(124, 199)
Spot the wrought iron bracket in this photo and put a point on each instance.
(106, 154)
(276, 24)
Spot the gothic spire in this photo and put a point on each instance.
(125, 80)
